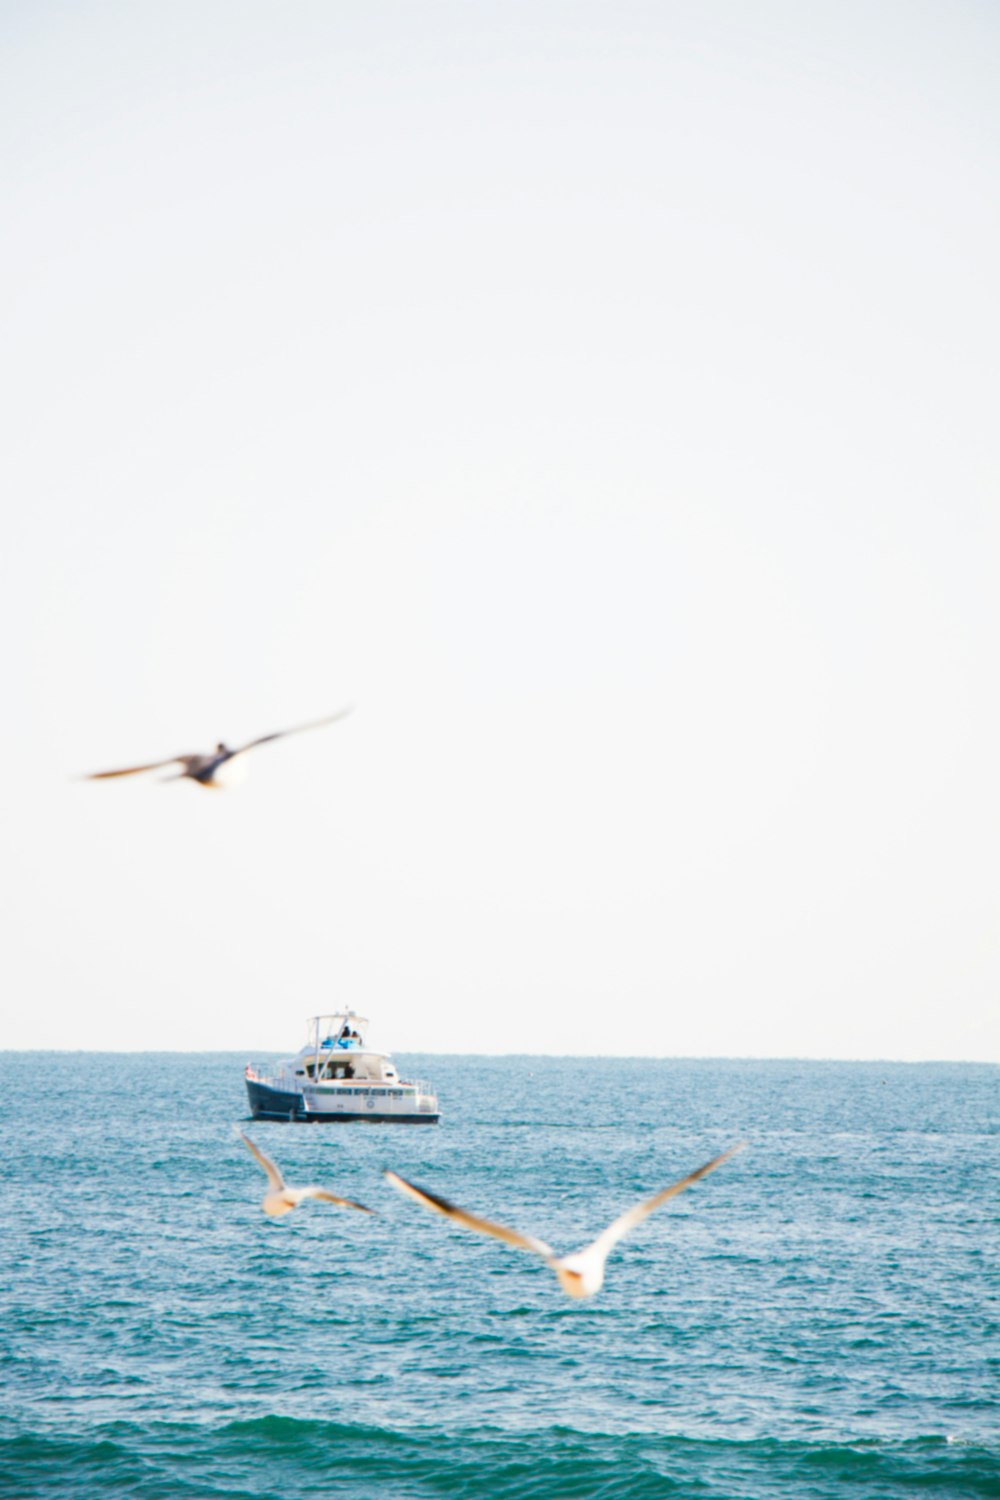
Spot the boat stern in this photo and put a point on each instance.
(270, 1103)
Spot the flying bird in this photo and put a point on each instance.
(204, 768)
(582, 1273)
(280, 1197)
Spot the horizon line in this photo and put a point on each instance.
(550, 1056)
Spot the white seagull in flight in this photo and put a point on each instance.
(280, 1198)
(580, 1274)
(204, 768)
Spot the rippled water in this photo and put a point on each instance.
(817, 1319)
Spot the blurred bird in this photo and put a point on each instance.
(205, 768)
(580, 1274)
(281, 1198)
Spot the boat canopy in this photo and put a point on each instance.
(342, 1030)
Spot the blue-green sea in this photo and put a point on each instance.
(817, 1319)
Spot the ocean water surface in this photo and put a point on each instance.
(818, 1319)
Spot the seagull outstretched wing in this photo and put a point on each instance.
(274, 1176)
(470, 1221)
(633, 1216)
(154, 765)
(325, 1197)
(280, 734)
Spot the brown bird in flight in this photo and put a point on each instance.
(205, 768)
(582, 1273)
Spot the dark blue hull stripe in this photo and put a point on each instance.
(275, 1104)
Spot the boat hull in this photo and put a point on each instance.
(270, 1103)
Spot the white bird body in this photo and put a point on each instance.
(216, 768)
(581, 1273)
(281, 1197)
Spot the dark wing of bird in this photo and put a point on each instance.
(154, 765)
(344, 1202)
(280, 734)
(469, 1221)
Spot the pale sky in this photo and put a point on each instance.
(603, 398)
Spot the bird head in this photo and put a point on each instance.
(579, 1275)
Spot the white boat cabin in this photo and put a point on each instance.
(337, 1050)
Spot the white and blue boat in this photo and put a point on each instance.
(338, 1077)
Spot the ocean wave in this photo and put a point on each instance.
(286, 1458)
